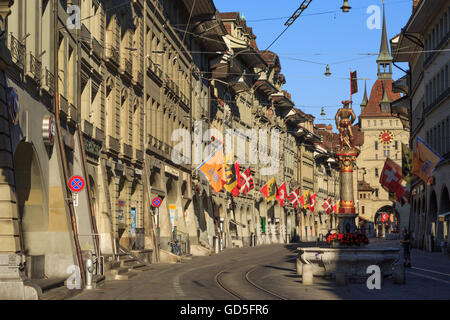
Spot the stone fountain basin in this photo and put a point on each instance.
(351, 261)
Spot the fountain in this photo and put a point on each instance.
(349, 260)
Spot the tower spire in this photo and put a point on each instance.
(384, 59)
(365, 100)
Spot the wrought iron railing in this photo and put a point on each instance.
(49, 81)
(35, 68)
(17, 51)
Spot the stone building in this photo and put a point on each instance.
(383, 134)
(427, 94)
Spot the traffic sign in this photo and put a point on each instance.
(76, 183)
(156, 202)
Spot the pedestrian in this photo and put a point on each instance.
(406, 243)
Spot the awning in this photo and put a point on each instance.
(444, 216)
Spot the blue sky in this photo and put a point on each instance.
(323, 37)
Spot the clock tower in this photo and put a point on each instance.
(384, 134)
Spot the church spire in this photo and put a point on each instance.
(365, 100)
(384, 60)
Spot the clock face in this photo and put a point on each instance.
(386, 137)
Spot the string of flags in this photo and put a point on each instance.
(224, 172)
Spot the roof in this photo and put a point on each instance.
(364, 186)
(376, 95)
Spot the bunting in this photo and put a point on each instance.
(270, 190)
(294, 197)
(282, 194)
(246, 181)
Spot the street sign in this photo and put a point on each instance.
(156, 202)
(76, 183)
(75, 199)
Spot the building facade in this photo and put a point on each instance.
(427, 86)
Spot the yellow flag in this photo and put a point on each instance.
(425, 160)
(230, 173)
(270, 190)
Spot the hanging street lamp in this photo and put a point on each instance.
(345, 7)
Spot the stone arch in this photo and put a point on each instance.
(31, 200)
(392, 224)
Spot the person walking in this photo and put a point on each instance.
(406, 244)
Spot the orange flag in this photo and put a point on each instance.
(213, 170)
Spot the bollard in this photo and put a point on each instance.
(307, 274)
(216, 244)
(399, 274)
(89, 274)
(221, 244)
(299, 267)
(341, 278)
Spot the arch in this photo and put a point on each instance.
(392, 224)
(442, 232)
(31, 200)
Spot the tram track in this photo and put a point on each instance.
(234, 294)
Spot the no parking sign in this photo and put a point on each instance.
(76, 183)
(156, 202)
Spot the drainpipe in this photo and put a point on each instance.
(68, 194)
(82, 151)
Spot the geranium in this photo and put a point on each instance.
(348, 238)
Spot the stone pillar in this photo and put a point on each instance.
(347, 212)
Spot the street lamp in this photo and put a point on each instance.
(345, 7)
(327, 71)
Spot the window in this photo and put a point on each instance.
(362, 209)
(390, 123)
(374, 123)
(376, 156)
(376, 193)
(381, 122)
(376, 172)
(360, 196)
(376, 145)
(368, 123)
(396, 145)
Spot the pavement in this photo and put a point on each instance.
(268, 273)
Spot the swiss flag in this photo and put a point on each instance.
(313, 202)
(282, 194)
(327, 206)
(391, 178)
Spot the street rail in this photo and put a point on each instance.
(233, 293)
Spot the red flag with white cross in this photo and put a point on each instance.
(327, 206)
(282, 194)
(294, 197)
(246, 181)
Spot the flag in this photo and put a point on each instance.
(270, 190)
(313, 202)
(425, 160)
(353, 82)
(212, 169)
(231, 175)
(327, 206)
(402, 196)
(246, 181)
(282, 194)
(305, 199)
(391, 178)
(294, 197)
(336, 207)
(407, 163)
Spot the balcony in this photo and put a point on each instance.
(85, 37)
(17, 52)
(112, 56)
(97, 48)
(138, 79)
(63, 105)
(49, 82)
(73, 115)
(35, 69)
(155, 69)
(138, 155)
(126, 151)
(126, 68)
(112, 144)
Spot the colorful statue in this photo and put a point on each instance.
(344, 124)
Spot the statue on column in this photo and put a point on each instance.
(344, 120)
